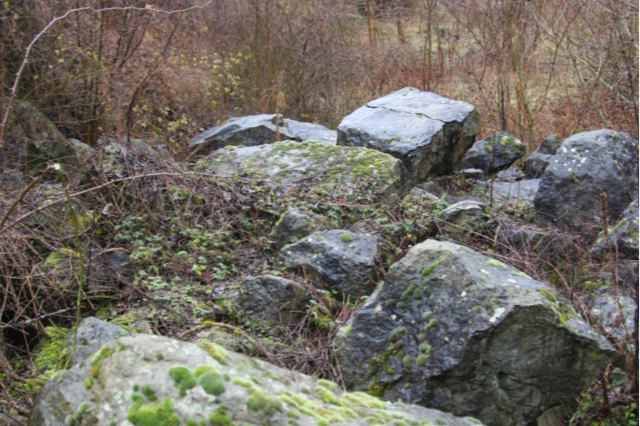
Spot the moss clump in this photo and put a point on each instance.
(260, 401)
(149, 393)
(73, 419)
(88, 383)
(497, 264)
(326, 395)
(327, 384)
(422, 359)
(427, 315)
(136, 388)
(182, 378)
(212, 383)
(50, 354)
(473, 420)
(408, 292)
(362, 399)
(417, 294)
(159, 356)
(216, 352)
(425, 348)
(242, 382)
(442, 422)
(422, 337)
(347, 330)
(322, 422)
(346, 238)
(201, 369)
(430, 325)
(425, 271)
(548, 295)
(220, 418)
(155, 414)
(407, 361)
(113, 423)
(102, 354)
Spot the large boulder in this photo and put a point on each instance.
(494, 153)
(147, 380)
(623, 237)
(429, 133)
(336, 259)
(586, 165)
(258, 130)
(314, 167)
(455, 330)
(539, 159)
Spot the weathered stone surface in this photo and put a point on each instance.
(429, 133)
(337, 259)
(258, 130)
(512, 194)
(494, 153)
(539, 159)
(315, 167)
(455, 330)
(28, 126)
(624, 235)
(294, 224)
(472, 173)
(419, 194)
(464, 220)
(614, 313)
(273, 299)
(586, 165)
(92, 334)
(509, 175)
(148, 380)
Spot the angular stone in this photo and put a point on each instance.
(293, 224)
(259, 130)
(91, 335)
(429, 133)
(615, 314)
(337, 259)
(316, 167)
(586, 165)
(494, 153)
(151, 380)
(539, 159)
(623, 236)
(455, 330)
(273, 299)
(464, 220)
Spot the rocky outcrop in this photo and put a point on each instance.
(429, 133)
(586, 165)
(315, 168)
(271, 299)
(336, 259)
(539, 159)
(148, 380)
(455, 330)
(494, 153)
(258, 130)
(623, 237)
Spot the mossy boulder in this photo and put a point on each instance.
(494, 153)
(464, 220)
(314, 168)
(455, 330)
(258, 130)
(193, 384)
(622, 237)
(427, 132)
(91, 335)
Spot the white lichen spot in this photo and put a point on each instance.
(485, 272)
(394, 317)
(512, 281)
(496, 315)
(463, 294)
(378, 308)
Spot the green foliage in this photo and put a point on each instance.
(148, 392)
(50, 353)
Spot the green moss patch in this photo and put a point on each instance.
(212, 383)
(182, 378)
(155, 414)
(260, 401)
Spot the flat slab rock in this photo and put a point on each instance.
(454, 330)
(428, 132)
(258, 130)
(315, 167)
(147, 380)
(337, 259)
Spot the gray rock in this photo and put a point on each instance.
(83, 151)
(273, 299)
(259, 130)
(615, 314)
(539, 159)
(419, 194)
(472, 173)
(454, 330)
(316, 167)
(494, 153)
(586, 165)
(337, 259)
(29, 127)
(464, 220)
(429, 133)
(509, 175)
(624, 235)
(91, 335)
(133, 377)
(293, 224)
(519, 194)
